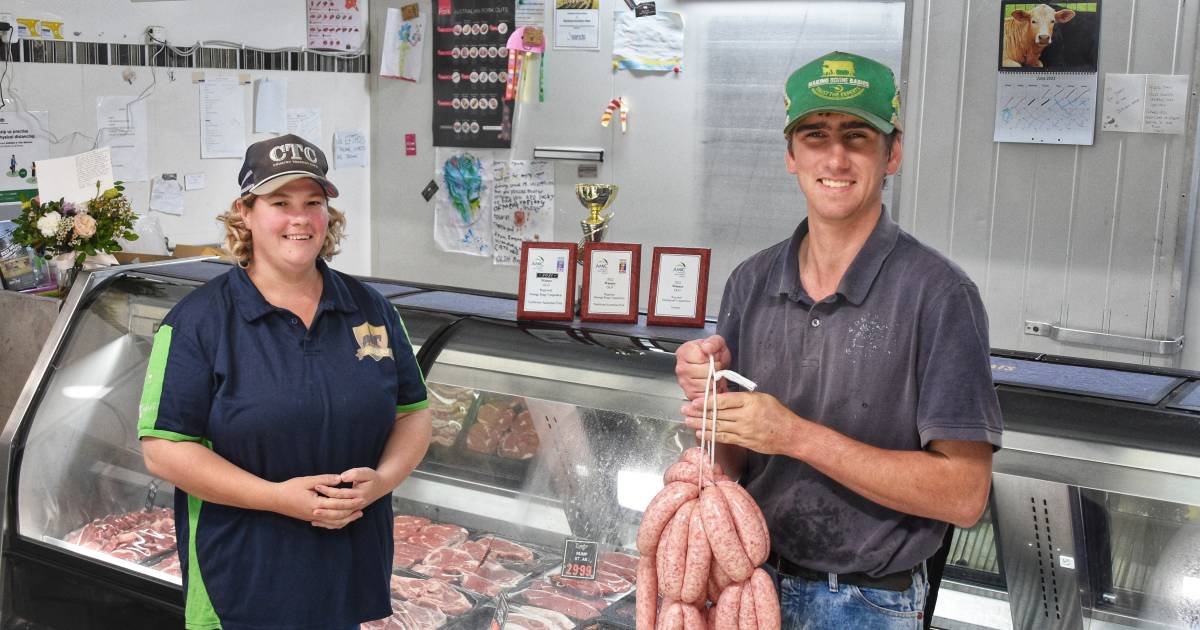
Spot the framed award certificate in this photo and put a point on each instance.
(678, 286)
(610, 282)
(547, 288)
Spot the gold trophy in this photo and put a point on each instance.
(596, 198)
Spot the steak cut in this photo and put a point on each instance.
(431, 594)
(438, 535)
(507, 551)
(573, 607)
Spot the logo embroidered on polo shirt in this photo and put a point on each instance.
(372, 342)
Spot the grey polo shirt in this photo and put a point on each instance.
(896, 358)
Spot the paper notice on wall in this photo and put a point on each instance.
(270, 105)
(166, 195)
(462, 219)
(1147, 103)
(1166, 103)
(577, 24)
(121, 124)
(651, 42)
(222, 119)
(349, 149)
(336, 25)
(531, 13)
(403, 44)
(1045, 107)
(75, 178)
(306, 123)
(522, 207)
(23, 145)
(1124, 102)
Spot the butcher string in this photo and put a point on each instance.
(708, 442)
(708, 439)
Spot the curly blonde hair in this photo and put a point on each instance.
(240, 245)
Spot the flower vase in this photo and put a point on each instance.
(65, 272)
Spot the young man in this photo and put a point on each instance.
(875, 418)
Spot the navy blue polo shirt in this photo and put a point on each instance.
(247, 380)
(897, 357)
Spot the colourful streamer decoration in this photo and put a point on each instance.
(616, 105)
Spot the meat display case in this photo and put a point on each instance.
(543, 432)
(546, 432)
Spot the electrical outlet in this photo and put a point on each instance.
(9, 36)
(156, 33)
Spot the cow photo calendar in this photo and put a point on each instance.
(1046, 84)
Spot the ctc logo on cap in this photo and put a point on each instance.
(281, 153)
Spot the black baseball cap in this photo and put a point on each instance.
(272, 163)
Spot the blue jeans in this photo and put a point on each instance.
(810, 605)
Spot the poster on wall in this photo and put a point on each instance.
(462, 209)
(335, 25)
(1046, 79)
(470, 68)
(22, 143)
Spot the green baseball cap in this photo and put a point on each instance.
(846, 83)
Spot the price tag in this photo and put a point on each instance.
(579, 559)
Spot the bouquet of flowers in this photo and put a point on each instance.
(53, 228)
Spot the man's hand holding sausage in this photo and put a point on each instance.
(691, 364)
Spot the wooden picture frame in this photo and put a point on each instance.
(678, 286)
(550, 293)
(611, 275)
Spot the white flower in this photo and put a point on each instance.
(48, 224)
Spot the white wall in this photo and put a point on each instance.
(702, 164)
(68, 92)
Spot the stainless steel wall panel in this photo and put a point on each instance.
(1037, 546)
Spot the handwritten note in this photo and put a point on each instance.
(1124, 102)
(523, 207)
(1166, 103)
(1146, 103)
(349, 149)
(74, 178)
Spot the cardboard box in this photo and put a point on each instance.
(187, 251)
(181, 251)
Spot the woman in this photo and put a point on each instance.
(284, 402)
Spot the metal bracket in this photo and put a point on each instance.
(1106, 340)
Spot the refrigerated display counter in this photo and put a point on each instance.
(1093, 520)
(543, 432)
(546, 432)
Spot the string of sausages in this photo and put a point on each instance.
(701, 540)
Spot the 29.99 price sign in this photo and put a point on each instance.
(579, 559)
